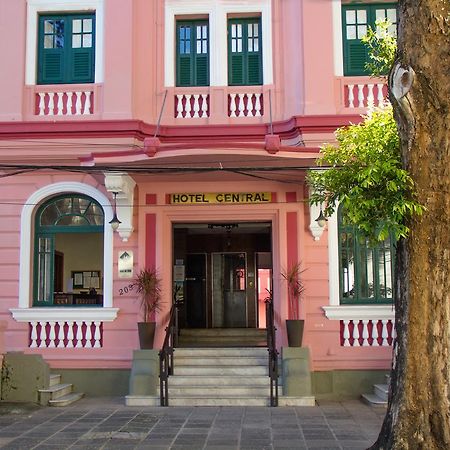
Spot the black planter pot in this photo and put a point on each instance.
(146, 332)
(295, 332)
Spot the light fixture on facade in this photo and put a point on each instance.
(115, 222)
(321, 220)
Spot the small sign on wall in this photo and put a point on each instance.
(125, 264)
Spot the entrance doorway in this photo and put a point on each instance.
(222, 271)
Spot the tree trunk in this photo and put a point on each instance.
(418, 415)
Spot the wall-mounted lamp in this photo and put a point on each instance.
(115, 222)
(321, 220)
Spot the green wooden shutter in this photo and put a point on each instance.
(81, 66)
(201, 53)
(192, 53)
(356, 54)
(51, 50)
(66, 55)
(244, 52)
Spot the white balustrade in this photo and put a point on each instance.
(68, 103)
(246, 105)
(363, 95)
(367, 333)
(191, 106)
(55, 334)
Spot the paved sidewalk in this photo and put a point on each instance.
(97, 423)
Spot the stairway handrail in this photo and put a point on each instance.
(272, 349)
(166, 352)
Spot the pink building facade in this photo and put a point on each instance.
(203, 118)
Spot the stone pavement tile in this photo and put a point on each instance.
(323, 445)
(22, 443)
(359, 444)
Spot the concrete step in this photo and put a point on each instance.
(54, 392)
(196, 400)
(214, 352)
(382, 391)
(219, 361)
(217, 380)
(373, 400)
(66, 399)
(197, 332)
(55, 379)
(216, 342)
(219, 391)
(221, 370)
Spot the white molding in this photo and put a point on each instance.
(36, 6)
(337, 38)
(217, 10)
(27, 234)
(333, 258)
(63, 314)
(359, 312)
(123, 184)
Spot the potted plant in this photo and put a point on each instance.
(296, 289)
(148, 287)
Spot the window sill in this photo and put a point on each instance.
(359, 312)
(59, 314)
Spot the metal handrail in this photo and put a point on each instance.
(166, 353)
(272, 349)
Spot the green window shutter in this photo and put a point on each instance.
(244, 52)
(192, 44)
(66, 49)
(366, 273)
(355, 20)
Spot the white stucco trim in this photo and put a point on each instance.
(335, 311)
(359, 312)
(34, 7)
(217, 10)
(333, 259)
(27, 234)
(337, 38)
(63, 314)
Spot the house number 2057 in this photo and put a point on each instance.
(126, 289)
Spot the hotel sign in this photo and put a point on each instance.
(211, 198)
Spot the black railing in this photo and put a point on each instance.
(273, 353)
(166, 354)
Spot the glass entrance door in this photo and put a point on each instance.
(229, 290)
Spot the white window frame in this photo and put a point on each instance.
(217, 11)
(26, 311)
(35, 7)
(336, 311)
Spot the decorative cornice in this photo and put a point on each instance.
(123, 185)
(64, 314)
(359, 312)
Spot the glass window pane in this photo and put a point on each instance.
(380, 14)
(351, 32)
(392, 15)
(76, 41)
(48, 41)
(365, 271)
(256, 29)
(59, 41)
(233, 46)
(250, 30)
(48, 27)
(256, 45)
(49, 215)
(239, 30)
(250, 44)
(188, 47)
(362, 30)
(239, 46)
(44, 269)
(76, 26)
(361, 16)
(204, 47)
(87, 40)
(182, 33)
(87, 25)
(199, 47)
(347, 265)
(350, 17)
(188, 32)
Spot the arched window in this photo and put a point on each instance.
(68, 252)
(365, 271)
